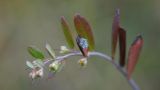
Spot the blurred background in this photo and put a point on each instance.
(35, 22)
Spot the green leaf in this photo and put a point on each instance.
(35, 52)
(67, 32)
(50, 51)
(84, 30)
(29, 64)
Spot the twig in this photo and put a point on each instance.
(106, 58)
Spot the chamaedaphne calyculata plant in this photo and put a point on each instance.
(86, 49)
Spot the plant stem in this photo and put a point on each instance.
(106, 58)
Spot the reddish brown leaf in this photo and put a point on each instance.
(133, 55)
(89, 34)
(122, 46)
(78, 25)
(84, 30)
(115, 31)
(67, 32)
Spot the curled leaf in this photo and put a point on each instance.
(122, 46)
(83, 45)
(67, 32)
(133, 55)
(35, 52)
(115, 32)
(50, 51)
(84, 30)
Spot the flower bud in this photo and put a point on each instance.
(64, 49)
(36, 73)
(83, 62)
(54, 66)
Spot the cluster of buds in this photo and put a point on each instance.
(36, 73)
(37, 66)
(36, 69)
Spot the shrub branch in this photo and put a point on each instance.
(105, 57)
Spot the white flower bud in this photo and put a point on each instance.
(32, 74)
(64, 49)
(83, 62)
(39, 72)
(36, 73)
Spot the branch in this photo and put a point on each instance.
(106, 58)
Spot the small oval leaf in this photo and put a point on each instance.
(29, 64)
(67, 32)
(50, 51)
(133, 55)
(122, 46)
(84, 30)
(35, 52)
(115, 32)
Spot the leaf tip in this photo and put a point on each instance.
(118, 11)
(62, 18)
(77, 15)
(139, 37)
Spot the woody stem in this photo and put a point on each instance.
(105, 57)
